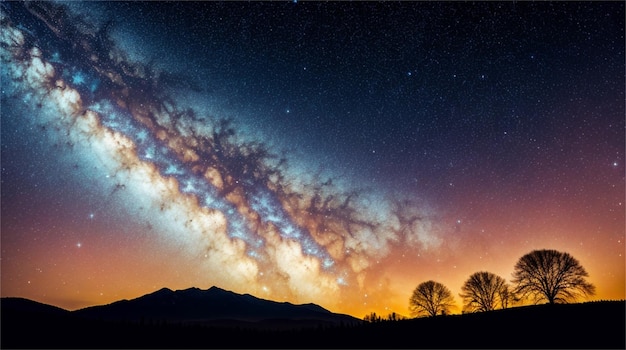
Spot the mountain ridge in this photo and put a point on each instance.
(208, 306)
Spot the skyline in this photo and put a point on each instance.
(334, 153)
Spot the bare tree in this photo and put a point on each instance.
(484, 291)
(552, 276)
(506, 297)
(431, 298)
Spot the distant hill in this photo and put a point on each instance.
(27, 305)
(216, 318)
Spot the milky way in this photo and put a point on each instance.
(234, 199)
(151, 142)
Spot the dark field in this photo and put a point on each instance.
(589, 325)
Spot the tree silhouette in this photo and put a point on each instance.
(484, 291)
(430, 298)
(552, 276)
(372, 317)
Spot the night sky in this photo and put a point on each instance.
(338, 153)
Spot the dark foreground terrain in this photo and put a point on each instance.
(590, 325)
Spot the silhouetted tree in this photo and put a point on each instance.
(372, 317)
(506, 297)
(484, 291)
(550, 275)
(430, 298)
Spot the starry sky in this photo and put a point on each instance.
(338, 153)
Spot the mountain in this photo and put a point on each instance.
(173, 319)
(213, 306)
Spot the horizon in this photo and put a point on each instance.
(384, 316)
(329, 153)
